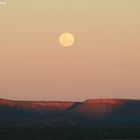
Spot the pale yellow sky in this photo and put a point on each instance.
(104, 62)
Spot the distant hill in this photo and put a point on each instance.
(52, 120)
(36, 105)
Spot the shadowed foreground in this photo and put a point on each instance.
(92, 119)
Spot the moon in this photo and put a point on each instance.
(66, 39)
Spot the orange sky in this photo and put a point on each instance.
(104, 62)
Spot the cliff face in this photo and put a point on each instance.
(4, 102)
(103, 101)
(36, 105)
(91, 107)
(96, 107)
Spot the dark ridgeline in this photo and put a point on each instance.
(92, 119)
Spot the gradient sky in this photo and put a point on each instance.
(104, 62)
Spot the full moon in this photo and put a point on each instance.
(66, 39)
